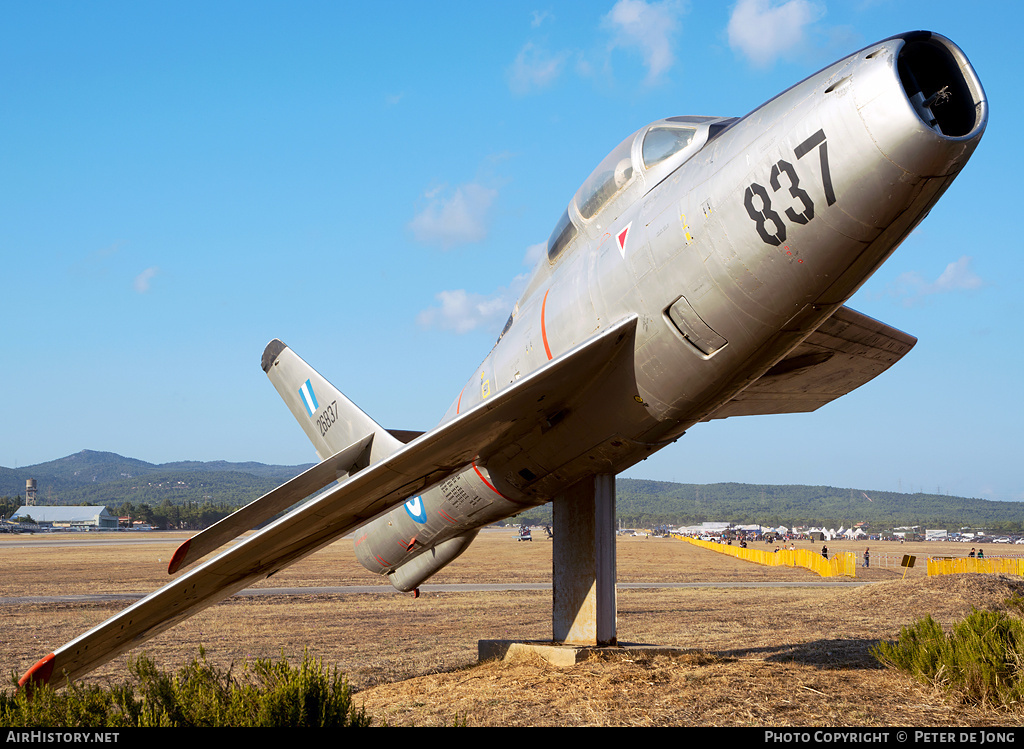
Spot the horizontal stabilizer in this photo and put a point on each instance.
(489, 426)
(846, 351)
(264, 508)
(405, 436)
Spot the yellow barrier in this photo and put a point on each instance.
(946, 566)
(842, 564)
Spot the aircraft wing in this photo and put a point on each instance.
(255, 513)
(846, 351)
(506, 416)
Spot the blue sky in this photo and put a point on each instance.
(184, 181)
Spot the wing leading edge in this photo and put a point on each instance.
(506, 416)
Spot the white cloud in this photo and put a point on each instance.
(535, 68)
(649, 28)
(765, 31)
(534, 253)
(142, 281)
(538, 17)
(641, 26)
(458, 218)
(912, 287)
(957, 276)
(462, 311)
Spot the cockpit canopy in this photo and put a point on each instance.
(611, 176)
(641, 161)
(636, 165)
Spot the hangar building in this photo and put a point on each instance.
(68, 517)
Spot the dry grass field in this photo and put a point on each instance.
(751, 655)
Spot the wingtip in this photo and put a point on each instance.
(270, 354)
(178, 558)
(40, 673)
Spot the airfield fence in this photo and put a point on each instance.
(843, 564)
(942, 565)
(887, 561)
(957, 565)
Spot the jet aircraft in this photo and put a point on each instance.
(700, 272)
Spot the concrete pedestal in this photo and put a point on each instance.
(583, 561)
(566, 656)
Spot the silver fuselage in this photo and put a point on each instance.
(736, 248)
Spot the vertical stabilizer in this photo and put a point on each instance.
(330, 420)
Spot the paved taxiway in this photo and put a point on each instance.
(447, 588)
(105, 539)
(37, 540)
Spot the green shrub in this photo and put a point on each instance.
(267, 694)
(979, 661)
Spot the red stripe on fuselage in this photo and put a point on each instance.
(489, 485)
(543, 325)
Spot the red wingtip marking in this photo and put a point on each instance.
(39, 673)
(178, 558)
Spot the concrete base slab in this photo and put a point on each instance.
(567, 655)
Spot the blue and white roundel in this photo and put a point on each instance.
(416, 509)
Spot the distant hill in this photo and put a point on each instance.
(773, 505)
(102, 478)
(646, 504)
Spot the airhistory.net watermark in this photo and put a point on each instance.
(61, 737)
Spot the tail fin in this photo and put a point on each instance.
(330, 420)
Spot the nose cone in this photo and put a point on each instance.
(842, 168)
(929, 124)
